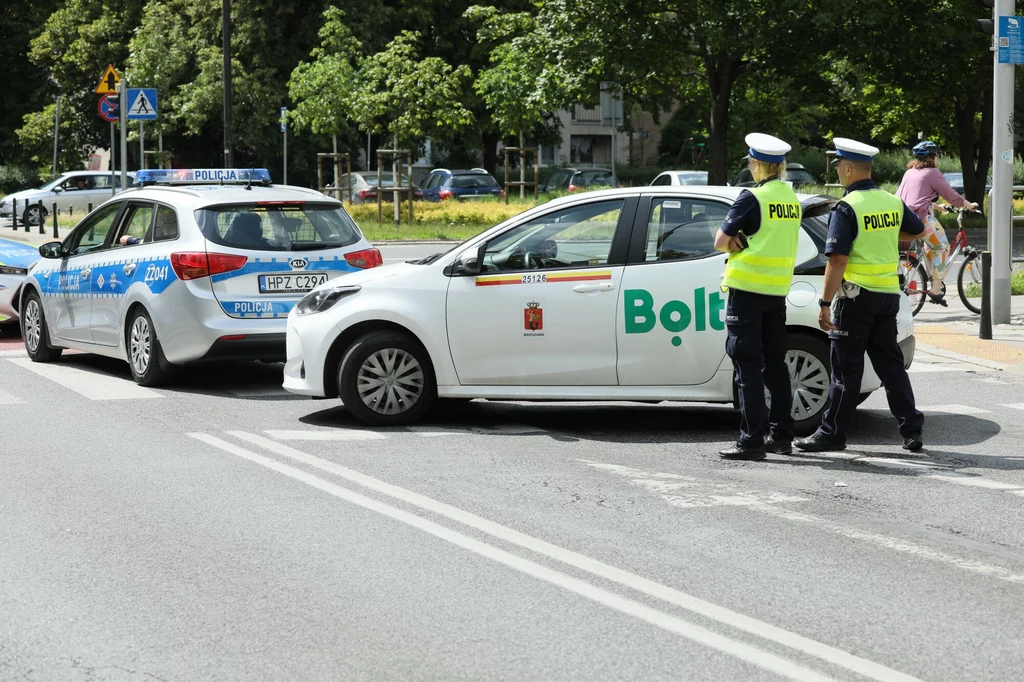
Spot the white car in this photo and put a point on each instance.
(15, 260)
(680, 177)
(610, 295)
(204, 268)
(75, 190)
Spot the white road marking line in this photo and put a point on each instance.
(339, 434)
(434, 431)
(954, 409)
(896, 544)
(991, 380)
(259, 392)
(1016, 492)
(887, 463)
(974, 481)
(9, 399)
(670, 595)
(744, 652)
(13, 353)
(1014, 406)
(92, 385)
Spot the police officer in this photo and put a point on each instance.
(760, 233)
(861, 278)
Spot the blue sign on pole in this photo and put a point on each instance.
(141, 104)
(284, 119)
(1011, 47)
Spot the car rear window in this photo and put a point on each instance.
(591, 178)
(290, 227)
(474, 180)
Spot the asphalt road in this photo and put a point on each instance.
(223, 529)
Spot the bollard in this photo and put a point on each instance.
(55, 234)
(89, 210)
(42, 223)
(28, 228)
(986, 296)
(14, 216)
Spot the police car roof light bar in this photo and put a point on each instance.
(205, 176)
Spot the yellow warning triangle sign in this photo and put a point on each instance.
(109, 81)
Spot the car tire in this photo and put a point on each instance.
(34, 215)
(145, 354)
(35, 332)
(809, 375)
(385, 379)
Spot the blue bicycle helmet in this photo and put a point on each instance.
(926, 148)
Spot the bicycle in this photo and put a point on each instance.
(915, 267)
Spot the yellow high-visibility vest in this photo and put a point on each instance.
(766, 265)
(875, 258)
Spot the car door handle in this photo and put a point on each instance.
(593, 288)
(86, 273)
(129, 268)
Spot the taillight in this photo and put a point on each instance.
(501, 194)
(573, 188)
(280, 203)
(446, 194)
(367, 193)
(369, 258)
(196, 264)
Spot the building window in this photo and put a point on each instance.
(590, 149)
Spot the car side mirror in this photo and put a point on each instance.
(467, 264)
(51, 250)
(58, 189)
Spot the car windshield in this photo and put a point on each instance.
(56, 181)
(474, 180)
(289, 227)
(799, 175)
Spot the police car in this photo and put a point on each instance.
(15, 260)
(611, 295)
(189, 265)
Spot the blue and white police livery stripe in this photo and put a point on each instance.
(108, 279)
(265, 308)
(16, 254)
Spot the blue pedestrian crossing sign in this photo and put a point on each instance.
(141, 104)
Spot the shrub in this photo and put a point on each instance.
(15, 178)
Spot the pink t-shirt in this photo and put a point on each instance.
(921, 186)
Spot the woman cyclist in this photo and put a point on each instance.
(921, 185)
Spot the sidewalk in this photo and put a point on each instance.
(33, 238)
(953, 332)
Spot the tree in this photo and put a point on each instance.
(512, 88)
(407, 97)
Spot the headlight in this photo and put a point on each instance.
(5, 270)
(323, 299)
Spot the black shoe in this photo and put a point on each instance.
(938, 299)
(817, 443)
(912, 443)
(747, 452)
(778, 447)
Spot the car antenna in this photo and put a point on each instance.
(248, 185)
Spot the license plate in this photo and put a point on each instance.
(291, 283)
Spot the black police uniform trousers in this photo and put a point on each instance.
(867, 323)
(756, 342)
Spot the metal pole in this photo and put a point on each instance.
(380, 193)
(113, 166)
(142, 147)
(42, 221)
(337, 169)
(226, 32)
(56, 134)
(42, 231)
(1002, 173)
(986, 296)
(14, 216)
(122, 109)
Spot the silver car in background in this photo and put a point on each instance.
(74, 190)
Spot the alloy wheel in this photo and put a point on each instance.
(140, 345)
(390, 381)
(33, 332)
(809, 379)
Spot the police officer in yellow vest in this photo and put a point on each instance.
(861, 279)
(760, 234)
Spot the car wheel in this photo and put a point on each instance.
(385, 379)
(145, 355)
(35, 332)
(34, 215)
(809, 376)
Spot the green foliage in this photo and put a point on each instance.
(16, 178)
(323, 89)
(408, 97)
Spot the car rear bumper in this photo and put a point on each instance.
(908, 347)
(269, 347)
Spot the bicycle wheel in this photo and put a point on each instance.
(913, 281)
(970, 278)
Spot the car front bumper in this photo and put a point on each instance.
(908, 347)
(10, 287)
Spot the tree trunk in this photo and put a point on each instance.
(975, 149)
(721, 73)
(395, 179)
(490, 142)
(522, 168)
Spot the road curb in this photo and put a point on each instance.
(970, 359)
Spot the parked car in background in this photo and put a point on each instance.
(72, 190)
(364, 187)
(572, 179)
(476, 183)
(16, 259)
(795, 173)
(681, 177)
(956, 181)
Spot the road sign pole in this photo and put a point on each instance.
(1002, 158)
(142, 146)
(56, 134)
(122, 109)
(284, 133)
(113, 149)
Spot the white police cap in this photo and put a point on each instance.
(766, 147)
(853, 150)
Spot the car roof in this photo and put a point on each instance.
(95, 172)
(195, 197)
(720, 192)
